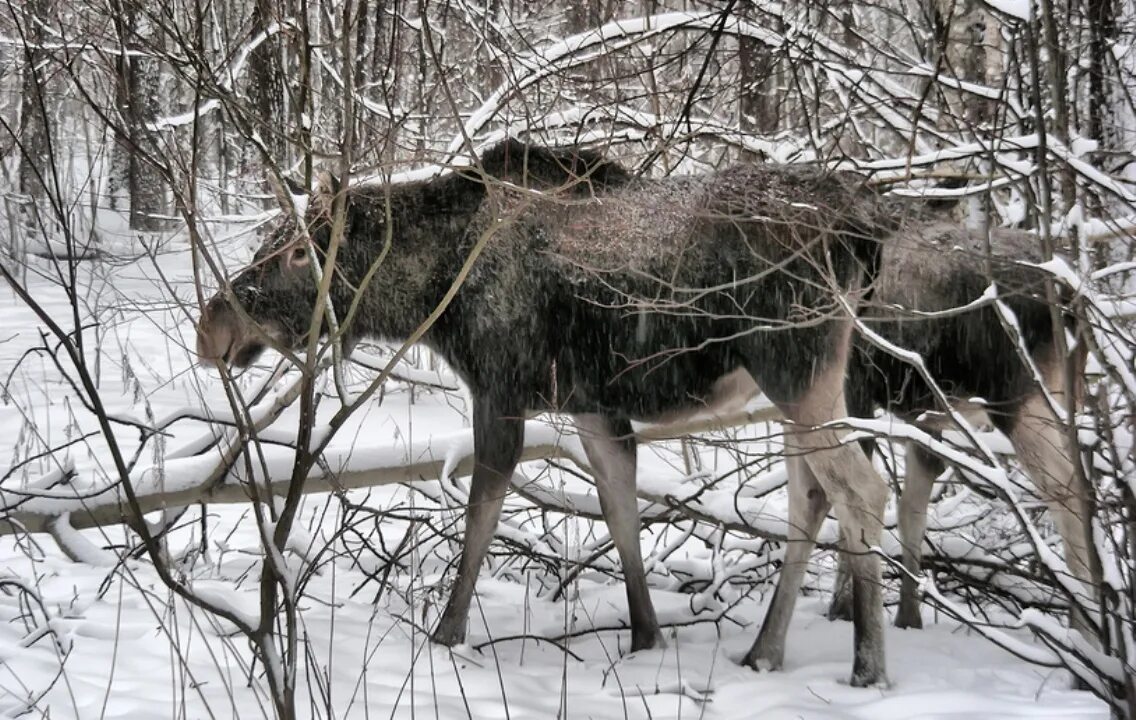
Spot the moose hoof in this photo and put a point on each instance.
(760, 664)
(909, 617)
(647, 640)
(764, 659)
(449, 634)
(863, 679)
(868, 672)
(841, 607)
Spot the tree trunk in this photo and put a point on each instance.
(758, 102)
(34, 133)
(1102, 35)
(136, 90)
(585, 15)
(386, 70)
(364, 122)
(969, 41)
(266, 86)
(967, 45)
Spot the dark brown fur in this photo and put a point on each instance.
(935, 267)
(939, 266)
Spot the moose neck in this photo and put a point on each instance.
(415, 254)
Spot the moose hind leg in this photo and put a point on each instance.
(841, 606)
(808, 505)
(1043, 448)
(497, 443)
(609, 444)
(858, 495)
(922, 469)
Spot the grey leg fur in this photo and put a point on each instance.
(808, 505)
(841, 606)
(922, 469)
(858, 495)
(610, 447)
(497, 442)
(1042, 447)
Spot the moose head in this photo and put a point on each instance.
(271, 301)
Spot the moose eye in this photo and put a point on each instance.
(299, 253)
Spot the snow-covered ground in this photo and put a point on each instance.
(121, 646)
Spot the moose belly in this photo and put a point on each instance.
(937, 422)
(729, 394)
(668, 391)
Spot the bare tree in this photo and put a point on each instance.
(267, 72)
(758, 101)
(206, 101)
(34, 135)
(137, 97)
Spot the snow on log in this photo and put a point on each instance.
(184, 481)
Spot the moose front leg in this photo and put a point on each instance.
(497, 442)
(841, 606)
(858, 496)
(808, 505)
(922, 469)
(610, 446)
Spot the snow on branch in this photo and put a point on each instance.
(224, 78)
(802, 44)
(181, 481)
(644, 125)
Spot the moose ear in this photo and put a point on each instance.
(280, 192)
(294, 186)
(327, 187)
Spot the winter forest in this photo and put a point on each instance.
(182, 536)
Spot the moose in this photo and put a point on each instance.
(610, 298)
(930, 273)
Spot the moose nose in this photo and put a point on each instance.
(214, 335)
(213, 345)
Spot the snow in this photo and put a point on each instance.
(78, 547)
(1109, 665)
(1017, 9)
(109, 640)
(899, 167)
(241, 605)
